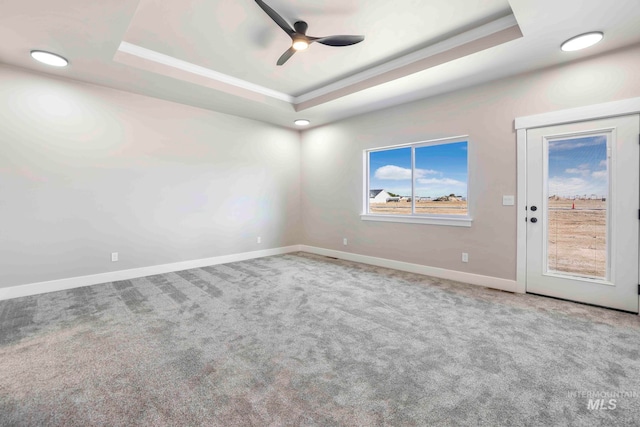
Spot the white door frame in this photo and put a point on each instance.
(522, 124)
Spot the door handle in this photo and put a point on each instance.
(534, 220)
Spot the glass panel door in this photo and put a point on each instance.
(583, 197)
(577, 206)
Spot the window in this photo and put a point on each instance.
(424, 182)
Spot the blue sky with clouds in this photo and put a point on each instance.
(578, 167)
(440, 170)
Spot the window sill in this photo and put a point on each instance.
(463, 221)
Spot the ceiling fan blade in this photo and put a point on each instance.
(338, 40)
(285, 56)
(276, 18)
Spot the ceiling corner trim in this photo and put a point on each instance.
(449, 44)
(170, 61)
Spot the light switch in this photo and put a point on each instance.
(508, 200)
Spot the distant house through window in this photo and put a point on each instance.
(425, 179)
(381, 196)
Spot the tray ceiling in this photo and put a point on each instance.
(221, 55)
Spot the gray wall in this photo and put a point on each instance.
(332, 175)
(86, 171)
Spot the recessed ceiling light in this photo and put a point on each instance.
(302, 122)
(49, 58)
(582, 41)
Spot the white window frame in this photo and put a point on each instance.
(414, 218)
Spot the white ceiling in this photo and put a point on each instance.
(221, 55)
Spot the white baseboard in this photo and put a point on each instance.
(78, 282)
(113, 276)
(459, 276)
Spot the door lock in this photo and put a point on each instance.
(534, 220)
(534, 208)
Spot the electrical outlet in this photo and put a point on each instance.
(259, 240)
(465, 257)
(508, 200)
(344, 241)
(114, 256)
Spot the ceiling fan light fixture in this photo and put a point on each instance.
(302, 122)
(300, 44)
(49, 58)
(298, 34)
(582, 41)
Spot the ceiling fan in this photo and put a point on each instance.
(299, 38)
